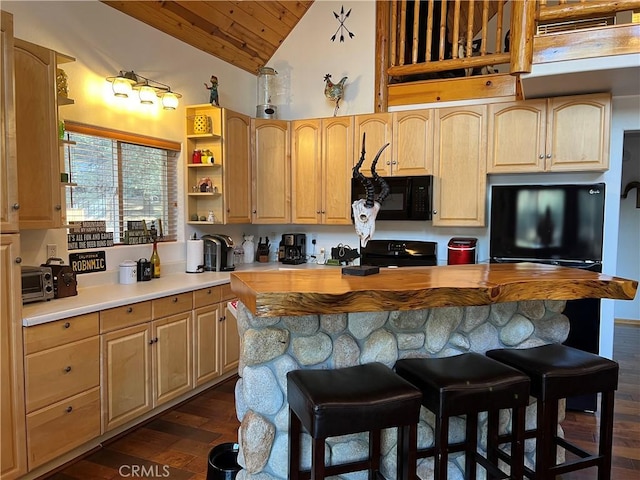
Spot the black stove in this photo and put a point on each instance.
(399, 253)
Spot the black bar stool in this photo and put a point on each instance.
(468, 384)
(556, 372)
(363, 398)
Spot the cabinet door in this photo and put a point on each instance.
(271, 172)
(8, 166)
(126, 375)
(13, 460)
(337, 164)
(172, 357)
(36, 137)
(460, 167)
(412, 152)
(230, 339)
(206, 347)
(516, 138)
(306, 172)
(578, 137)
(237, 168)
(377, 127)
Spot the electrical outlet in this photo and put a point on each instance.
(52, 250)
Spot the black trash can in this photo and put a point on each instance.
(223, 462)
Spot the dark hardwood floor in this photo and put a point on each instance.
(175, 445)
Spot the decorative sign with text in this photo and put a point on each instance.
(88, 234)
(88, 262)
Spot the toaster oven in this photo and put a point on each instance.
(37, 284)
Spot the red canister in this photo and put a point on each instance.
(461, 250)
(197, 156)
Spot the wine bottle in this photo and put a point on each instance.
(155, 261)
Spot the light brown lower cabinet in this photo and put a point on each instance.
(216, 339)
(148, 364)
(88, 375)
(62, 386)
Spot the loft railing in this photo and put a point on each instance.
(421, 40)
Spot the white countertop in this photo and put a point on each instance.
(96, 298)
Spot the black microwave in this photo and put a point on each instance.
(410, 198)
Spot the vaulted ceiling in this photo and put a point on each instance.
(243, 33)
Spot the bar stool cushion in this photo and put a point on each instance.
(558, 371)
(351, 399)
(465, 383)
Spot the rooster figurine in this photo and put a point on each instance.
(334, 91)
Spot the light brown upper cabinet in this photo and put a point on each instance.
(36, 101)
(378, 130)
(412, 146)
(270, 172)
(237, 167)
(558, 134)
(321, 166)
(9, 171)
(460, 180)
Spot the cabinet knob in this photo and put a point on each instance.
(16, 206)
(435, 212)
(18, 260)
(548, 155)
(130, 309)
(541, 156)
(67, 369)
(209, 292)
(67, 324)
(254, 212)
(153, 340)
(175, 299)
(318, 212)
(58, 207)
(69, 409)
(223, 318)
(394, 163)
(388, 162)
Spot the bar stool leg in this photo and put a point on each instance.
(546, 447)
(406, 453)
(517, 443)
(294, 446)
(441, 456)
(606, 435)
(493, 418)
(317, 459)
(374, 453)
(471, 442)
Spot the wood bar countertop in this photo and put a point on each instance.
(292, 292)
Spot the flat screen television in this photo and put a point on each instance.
(547, 222)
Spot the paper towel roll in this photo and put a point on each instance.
(195, 256)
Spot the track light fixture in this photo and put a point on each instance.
(124, 83)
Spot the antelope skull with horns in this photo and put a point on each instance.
(366, 209)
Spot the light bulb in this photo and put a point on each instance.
(169, 101)
(121, 87)
(146, 94)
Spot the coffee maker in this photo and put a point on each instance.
(218, 253)
(293, 248)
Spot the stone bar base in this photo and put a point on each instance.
(273, 346)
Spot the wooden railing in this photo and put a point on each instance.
(452, 39)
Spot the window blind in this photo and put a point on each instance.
(119, 181)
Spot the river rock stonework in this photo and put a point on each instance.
(271, 347)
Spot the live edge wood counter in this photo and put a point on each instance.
(302, 292)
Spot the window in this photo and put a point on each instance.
(119, 177)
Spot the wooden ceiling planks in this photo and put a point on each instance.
(243, 33)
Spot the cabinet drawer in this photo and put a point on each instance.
(124, 316)
(61, 372)
(166, 306)
(63, 426)
(53, 334)
(206, 296)
(227, 294)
